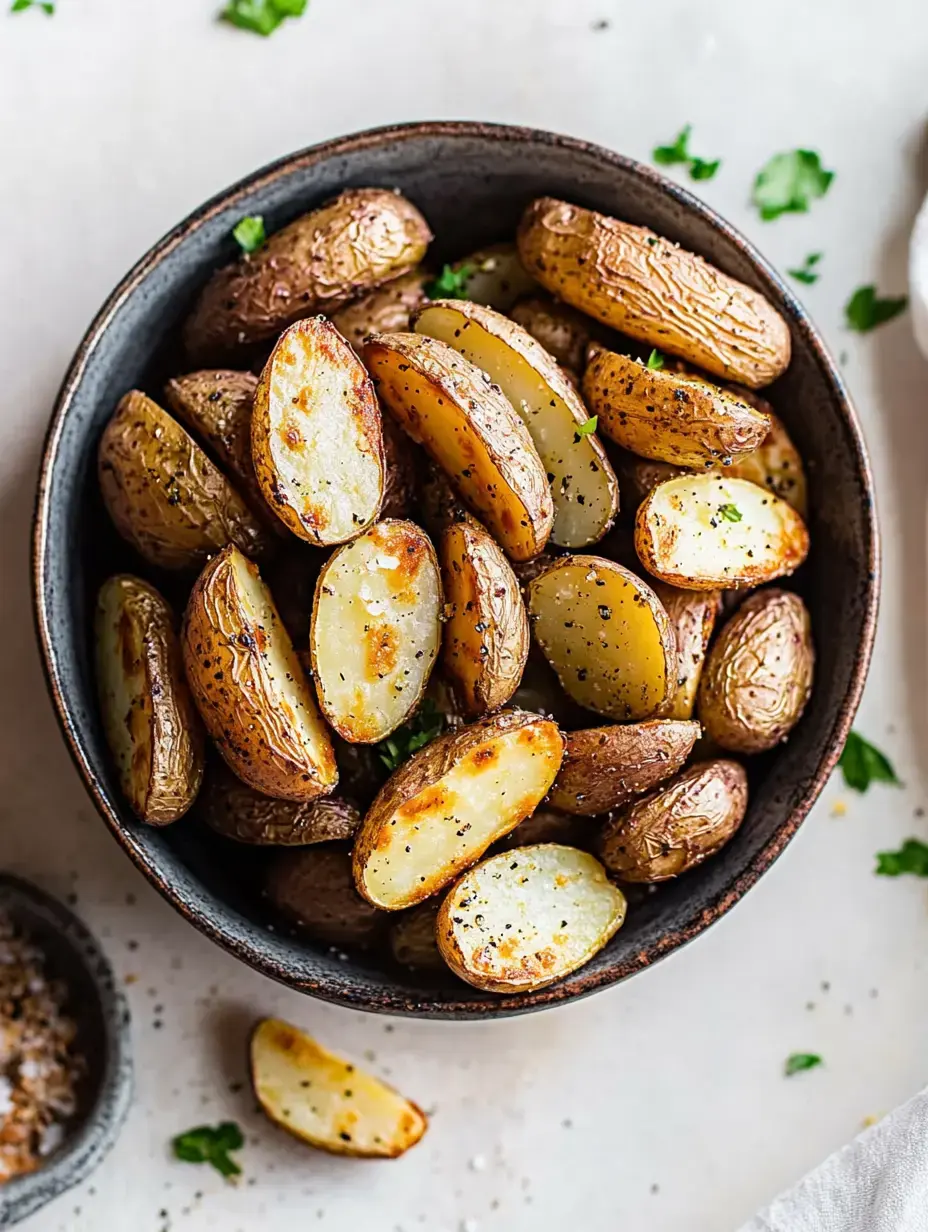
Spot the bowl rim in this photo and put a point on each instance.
(394, 1002)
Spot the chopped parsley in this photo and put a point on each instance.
(249, 233)
(789, 182)
(655, 361)
(807, 272)
(211, 1144)
(862, 764)
(671, 155)
(796, 1062)
(451, 283)
(427, 723)
(20, 6)
(731, 513)
(865, 310)
(262, 16)
(912, 857)
(585, 429)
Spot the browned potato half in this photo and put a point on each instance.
(561, 330)
(316, 436)
(151, 727)
(776, 465)
(237, 811)
(653, 290)
(385, 310)
(605, 767)
(494, 276)
(412, 937)
(606, 635)
(401, 471)
(471, 430)
(758, 676)
(440, 811)
(669, 417)
(679, 825)
(525, 918)
(486, 637)
(693, 614)
(638, 477)
(376, 630)
(583, 485)
(164, 494)
(360, 239)
(547, 826)
(314, 888)
(249, 686)
(707, 532)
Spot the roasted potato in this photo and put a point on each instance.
(151, 727)
(317, 437)
(679, 825)
(359, 240)
(249, 686)
(164, 494)
(237, 811)
(385, 310)
(440, 811)
(706, 532)
(412, 937)
(401, 471)
(314, 889)
(669, 417)
(638, 477)
(471, 430)
(583, 485)
(548, 826)
(775, 464)
(326, 1101)
(758, 676)
(494, 276)
(561, 330)
(606, 635)
(486, 636)
(605, 767)
(693, 614)
(376, 630)
(523, 919)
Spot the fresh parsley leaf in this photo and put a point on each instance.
(865, 310)
(807, 272)
(585, 429)
(655, 361)
(20, 6)
(731, 513)
(249, 233)
(862, 764)
(451, 283)
(427, 723)
(704, 169)
(211, 1144)
(912, 857)
(670, 155)
(789, 182)
(262, 16)
(796, 1062)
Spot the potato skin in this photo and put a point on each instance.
(693, 614)
(758, 676)
(314, 889)
(385, 310)
(776, 463)
(679, 825)
(561, 330)
(237, 811)
(651, 289)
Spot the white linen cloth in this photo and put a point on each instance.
(918, 278)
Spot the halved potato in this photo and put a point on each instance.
(486, 637)
(412, 937)
(249, 686)
(693, 614)
(706, 532)
(583, 485)
(606, 635)
(385, 310)
(525, 918)
(327, 1101)
(376, 630)
(561, 330)
(495, 276)
(775, 464)
(440, 811)
(237, 811)
(316, 435)
(314, 889)
(151, 727)
(471, 430)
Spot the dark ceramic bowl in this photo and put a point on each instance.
(472, 181)
(102, 1017)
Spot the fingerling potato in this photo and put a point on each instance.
(314, 889)
(561, 330)
(385, 310)
(693, 614)
(237, 811)
(412, 937)
(494, 276)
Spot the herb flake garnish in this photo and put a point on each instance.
(912, 857)
(451, 283)
(865, 310)
(655, 361)
(862, 764)
(731, 513)
(262, 16)
(211, 1144)
(671, 155)
(585, 429)
(20, 6)
(796, 1062)
(807, 273)
(425, 725)
(789, 183)
(249, 233)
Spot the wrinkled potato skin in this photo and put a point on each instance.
(561, 330)
(237, 811)
(385, 310)
(401, 472)
(349, 246)
(758, 676)
(776, 463)
(677, 826)
(412, 938)
(651, 289)
(693, 614)
(638, 477)
(314, 889)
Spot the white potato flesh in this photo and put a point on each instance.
(376, 630)
(525, 918)
(327, 1101)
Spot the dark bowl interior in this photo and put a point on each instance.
(471, 181)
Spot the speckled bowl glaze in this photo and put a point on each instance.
(472, 182)
(102, 1017)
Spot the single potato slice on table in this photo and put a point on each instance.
(706, 532)
(525, 918)
(583, 485)
(237, 811)
(440, 811)
(494, 276)
(376, 630)
(151, 727)
(469, 427)
(249, 686)
(385, 310)
(327, 1101)
(651, 289)
(316, 436)
(604, 632)
(693, 614)
(561, 330)
(314, 889)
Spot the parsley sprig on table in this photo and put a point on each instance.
(789, 183)
(262, 16)
(912, 857)
(451, 283)
(670, 155)
(211, 1144)
(427, 723)
(796, 1062)
(807, 273)
(20, 6)
(862, 764)
(865, 310)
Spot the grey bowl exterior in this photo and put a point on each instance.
(471, 181)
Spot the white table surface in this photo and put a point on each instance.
(658, 1105)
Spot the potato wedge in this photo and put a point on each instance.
(758, 677)
(561, 330)
(679, 825)
(314, 889)
(653, 290)
(151, 727)
(402, 461)
(707, 532)
(669, 417)
(237, 811)
(471, 430)
(775, 464)
(583, 485)
(605, 767)
(693, 614)
(524, 919)
(440, 811)
(326, 1101)
(351, 244)
(412, 938)
(495, 276)
(249, 686)
(164, 494)
(486, 636)
(606, 635)
(376, 630)
(638, 477)
(316, 436)
(385, 310)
